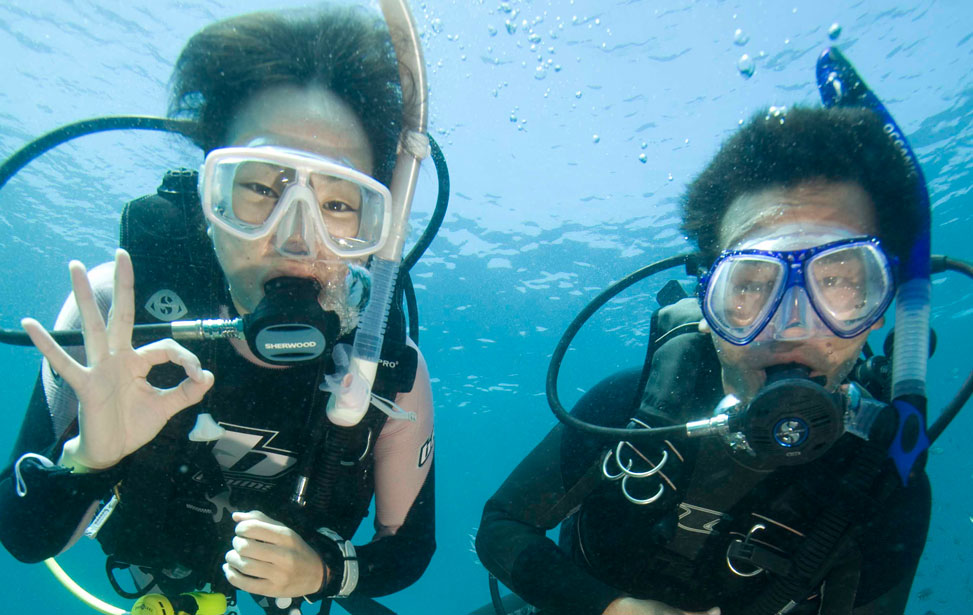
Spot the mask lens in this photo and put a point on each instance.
(742, 293)
(353, 213)
(252, 192)
(255, 189)
(850, 286)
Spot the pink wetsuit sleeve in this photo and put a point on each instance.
(403, 456)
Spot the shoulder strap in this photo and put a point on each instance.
(868, 483)
(682, 316)
(176, 272)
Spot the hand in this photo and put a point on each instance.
(270, 559)
(119, 410)
(633, 606)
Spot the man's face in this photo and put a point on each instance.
(843, 207)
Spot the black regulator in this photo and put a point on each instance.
(288, 325)
(793, 419)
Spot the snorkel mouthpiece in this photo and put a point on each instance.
(289, 326)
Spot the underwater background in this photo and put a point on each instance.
(570, 129)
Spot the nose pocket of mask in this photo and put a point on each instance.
(792, 316)
(295, 234)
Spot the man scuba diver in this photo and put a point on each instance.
(250, 464)
(810, 495)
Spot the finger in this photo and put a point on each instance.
(263, 531)
(241, 515)
(256, 550)
(61, 362)
(95, 342)
(252, 585)
(248, 566)
(170, 351)
(187, 393)
(121, 318)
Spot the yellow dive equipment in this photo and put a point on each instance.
(191, 603)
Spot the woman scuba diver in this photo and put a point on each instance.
(250, 465)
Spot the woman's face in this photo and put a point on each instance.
(310, 119)
(844, 207)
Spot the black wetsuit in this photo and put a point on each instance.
(610, 547)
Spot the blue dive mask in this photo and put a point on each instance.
(841, 287)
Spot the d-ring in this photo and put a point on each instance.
(647, 473)
(635, 500)
(757, 569)
(604, 467)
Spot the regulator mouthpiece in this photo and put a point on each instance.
(289, 326)
(792, 420)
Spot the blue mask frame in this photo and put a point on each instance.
(793, 265)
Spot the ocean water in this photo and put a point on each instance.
(571, 128)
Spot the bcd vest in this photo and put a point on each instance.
(174, 500)
(712, 508)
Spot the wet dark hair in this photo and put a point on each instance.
(343, 49)
(776, 150)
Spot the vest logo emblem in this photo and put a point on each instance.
(166, 305)
(699, 520)
(426, 451)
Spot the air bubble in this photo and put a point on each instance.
(437, 25)
(740, 37)
(643, 158)
(746, 66)
(577, 94)
(670, 176)
(511, 27)
(540, 72)
(505, 7)
(834, 31)
(492, 30)
(534, 37)
(513, 117)
(644, 145)
(595, 138)
(557, 68)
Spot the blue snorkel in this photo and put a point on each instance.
(840, 86)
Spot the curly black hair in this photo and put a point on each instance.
(346, 50)
(784, 150)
